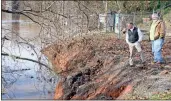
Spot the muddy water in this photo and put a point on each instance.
(23, 79)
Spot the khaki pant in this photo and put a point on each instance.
(138, 47)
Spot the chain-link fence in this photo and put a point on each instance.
(167, 20)
(114, 22)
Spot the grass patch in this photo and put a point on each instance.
(161, 96)
(167, 11)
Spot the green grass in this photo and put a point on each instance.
(158, 96)
(161, 96)
(167, 10)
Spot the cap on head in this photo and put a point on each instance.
(155, 16)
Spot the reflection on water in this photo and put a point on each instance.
(23, 79)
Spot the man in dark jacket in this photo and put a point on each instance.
(133, 38)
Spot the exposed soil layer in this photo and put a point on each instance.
(96, 67)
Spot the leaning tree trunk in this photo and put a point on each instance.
(15, 20)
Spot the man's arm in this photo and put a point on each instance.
(127, 37)
(140, 34)
(162, 30)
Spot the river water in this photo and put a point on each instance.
(23, 79)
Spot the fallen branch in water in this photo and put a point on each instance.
(22, 58)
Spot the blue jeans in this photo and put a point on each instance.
(157, 50)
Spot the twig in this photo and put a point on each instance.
(15, 12)
(22, 58)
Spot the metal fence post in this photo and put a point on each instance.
(119, 25)
(134, 18)
(106, 23)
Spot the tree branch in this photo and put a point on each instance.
(22, 58)
(84, 14)
(45, 11)
(16, 12)
(86, 7)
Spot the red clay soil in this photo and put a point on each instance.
(96, 67)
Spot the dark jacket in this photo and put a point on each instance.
(133, 35)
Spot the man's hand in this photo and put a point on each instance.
(149, 39)
(124, 30)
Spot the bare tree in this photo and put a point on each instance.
(58, 21)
